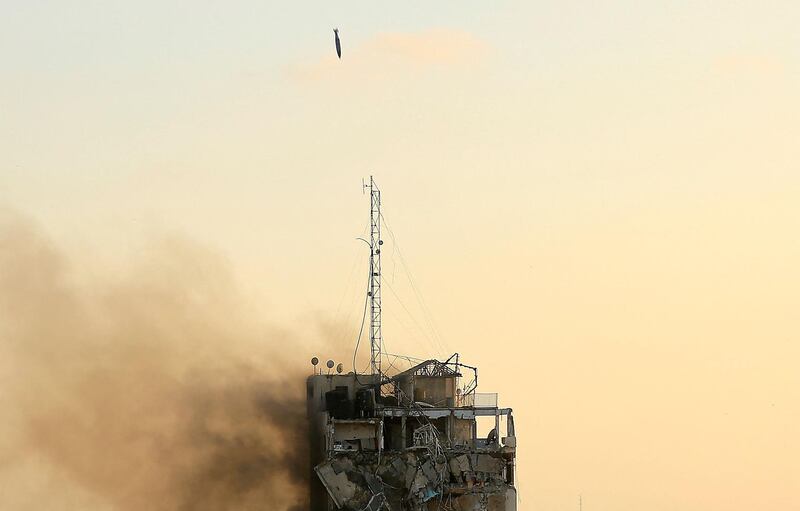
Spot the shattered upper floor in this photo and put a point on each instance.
(409, 442)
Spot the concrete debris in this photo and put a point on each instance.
(378, 450)
(410, 479)
(377, 503)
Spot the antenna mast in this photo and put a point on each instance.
(375, 242)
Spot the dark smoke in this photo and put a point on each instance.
(155, 389)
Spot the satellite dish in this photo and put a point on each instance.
(339, 368)
(314, 361)
(330, 364)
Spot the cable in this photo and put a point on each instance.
(437, 338)
(428, 317)
(434, 343)
(425, 335)
(361, 329)
(342, 329)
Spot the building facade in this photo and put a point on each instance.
(409, 441)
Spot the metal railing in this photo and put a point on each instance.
(478, 400)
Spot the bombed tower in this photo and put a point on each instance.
(406, 441)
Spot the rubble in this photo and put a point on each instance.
(385, 452)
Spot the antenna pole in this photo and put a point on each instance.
(375, 336)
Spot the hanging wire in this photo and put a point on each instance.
(427, 315)
(410, 332)
(425, 335)
(361, 328)
(343, 329)
(411, 361)
(391, 365)
(423, 306)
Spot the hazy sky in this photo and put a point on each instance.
(599, 202)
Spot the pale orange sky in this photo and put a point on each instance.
(600, 203)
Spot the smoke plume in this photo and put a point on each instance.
(155, 389)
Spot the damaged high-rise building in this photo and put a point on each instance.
(409, 440)
(410, 443)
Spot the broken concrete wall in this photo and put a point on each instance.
(414, 480)
(501, 500)
(435, 390)
(462, 432)
(363, 435)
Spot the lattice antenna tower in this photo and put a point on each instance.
(375, 242)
